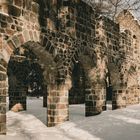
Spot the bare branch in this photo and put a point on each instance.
(113, 7)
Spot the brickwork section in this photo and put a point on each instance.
(62, 34)
(57, 108)
(113, 51)
(95, 101)
(119, 99)
(133, 96)
(129, 44)
(124, 97)
(3, 94)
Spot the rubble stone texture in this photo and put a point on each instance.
(81, 54)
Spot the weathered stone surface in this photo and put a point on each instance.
(18, 3)
(81, 54)
(35, 7)
(14, 11)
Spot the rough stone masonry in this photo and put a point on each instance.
(83, 56)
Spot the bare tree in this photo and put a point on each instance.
(113, 7)
(119, 5)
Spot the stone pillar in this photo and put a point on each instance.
(44, 96)
(2, 103)
(57, 104)
(132, 95)
(95, 101)
(119, 99)
(17, 92)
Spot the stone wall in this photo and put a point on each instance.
(107, 50)
(18, 24)
(2, 99)
(62, 34)
(129, 44)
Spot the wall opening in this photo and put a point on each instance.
(35, 80)
(26, 84)
(109, 93)
(77, 92)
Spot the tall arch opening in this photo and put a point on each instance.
(109, 92)
(77, 92)
(53, 81)
(88, 85)
(26, 80)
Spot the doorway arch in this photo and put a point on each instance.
(45, 59)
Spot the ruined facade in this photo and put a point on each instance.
(82, 57)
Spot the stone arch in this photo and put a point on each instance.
(5, 54)
(94, 88)
(119, 71)
(3, 93)
(57, 88)
(25, 61)
(16, 41)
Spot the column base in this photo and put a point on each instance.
(2, 124)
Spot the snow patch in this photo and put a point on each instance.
(130, 110)
(70, 129)
(29, 127)
(126, 119)
(24, 126)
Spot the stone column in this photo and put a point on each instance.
(119, 98)
(57, 104)
(132, 95)
(95, 101)
(2, 103)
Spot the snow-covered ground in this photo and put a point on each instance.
(122, 124)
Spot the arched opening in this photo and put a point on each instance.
(26, 81)
(35, 81)
(77, 92)
(57, 85)
(109, 92)
(88, 86)
(94, 83)
(17, 73)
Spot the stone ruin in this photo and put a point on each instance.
(81, 57)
